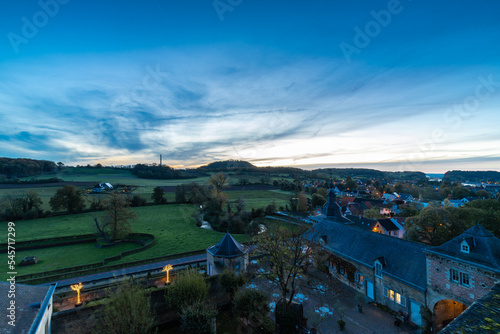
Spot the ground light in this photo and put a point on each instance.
(167, 268)
(77, 288)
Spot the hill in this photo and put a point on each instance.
(228, 165)
(472, 176)
(366, 173)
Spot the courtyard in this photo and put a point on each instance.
(325, 300)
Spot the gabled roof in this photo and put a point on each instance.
(227, 247)
(405, 260)
(486, 250)
(388, 225)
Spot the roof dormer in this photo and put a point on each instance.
(467, 244)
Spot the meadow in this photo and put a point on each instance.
(173, 226)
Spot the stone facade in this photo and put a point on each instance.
(441, 285)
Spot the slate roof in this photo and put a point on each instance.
(227, 247)
(405, 260)
(332, 210)
(481, 317)
(362, 222)
(485, 252)
(27, 318)
(388, 224)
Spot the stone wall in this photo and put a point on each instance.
(440, 286)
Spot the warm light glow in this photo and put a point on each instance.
(77, 288)
(167, 268)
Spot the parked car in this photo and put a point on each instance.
(28, 260)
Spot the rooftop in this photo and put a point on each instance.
(484, 248)
(26, 315)
(227, 247)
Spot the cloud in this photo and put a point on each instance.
(195, 106)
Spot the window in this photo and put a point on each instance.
(395, 296)
(465, 247)
(454, 276)
(464, 279)
(358, 277)
(460, 277)
(391, 294)
(378, 269)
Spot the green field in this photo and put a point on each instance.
(172, 225)
(260, 198)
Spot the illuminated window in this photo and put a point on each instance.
(358, 277)
(395, 296)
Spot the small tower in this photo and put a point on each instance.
(228, 253)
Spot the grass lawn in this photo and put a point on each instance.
(67, 256)
(260, 198)
(172, 225)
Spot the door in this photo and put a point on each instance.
(415, 316)
(209, 269)
(369, 290)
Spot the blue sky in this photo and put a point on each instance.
(392, 85)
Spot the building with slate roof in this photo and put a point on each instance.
(387, 270)
(33, 308)
(228, 253)
(460, 272)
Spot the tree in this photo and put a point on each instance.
(287, 250)
(231, 282)
(180, 194)
(460, 192)
(218, 181)
(157, 196)
(128, 311)
(373, 212)
(434, 225)
(187, 289)
(317, 200)
(302, 202)
(117, 216)
(21, 206)
(251, 304)
(197, 318)
(483, 194)
(69, 198)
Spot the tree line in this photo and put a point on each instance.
(22, 167)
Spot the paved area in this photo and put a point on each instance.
(325, 299)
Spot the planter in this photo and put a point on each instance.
(341, 324)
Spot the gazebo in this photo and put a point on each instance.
(228, 253)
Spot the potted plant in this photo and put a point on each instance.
(340, 308)
(341, 323)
